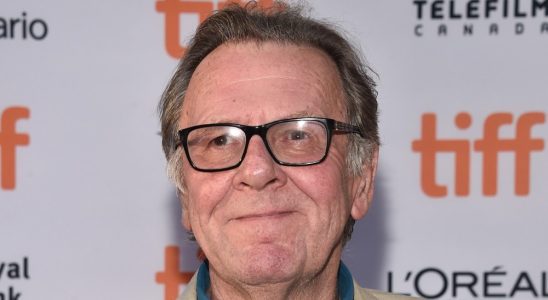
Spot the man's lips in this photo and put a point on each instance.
(265, 215)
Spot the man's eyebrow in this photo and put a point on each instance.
(300, 114)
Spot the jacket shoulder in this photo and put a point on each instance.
(368, 294)
(378, 295)
(189, 292)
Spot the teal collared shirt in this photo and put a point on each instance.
(345, 284)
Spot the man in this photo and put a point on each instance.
(270, 130)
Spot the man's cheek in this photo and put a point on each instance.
(319, 181)
(205, 197)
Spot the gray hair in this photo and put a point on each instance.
(283, 24)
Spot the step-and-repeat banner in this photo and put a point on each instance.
(460, 209)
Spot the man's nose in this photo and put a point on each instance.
(258, 169)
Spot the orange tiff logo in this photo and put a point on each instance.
(9, 140)
(171, 277)
(522, 144)
(175, 9)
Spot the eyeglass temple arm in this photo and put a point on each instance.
(347, 128)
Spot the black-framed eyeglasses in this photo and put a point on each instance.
(290, 142)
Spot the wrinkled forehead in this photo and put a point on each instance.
(253, 60)
(255, 73)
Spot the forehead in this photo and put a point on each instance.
(261, 82)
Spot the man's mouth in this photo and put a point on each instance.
(264, 216)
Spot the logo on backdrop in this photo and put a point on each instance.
(171, 277)
(174, 10)
(10, 139)
(435, 283)
(23, 27)
(522, 145)
(485, 17)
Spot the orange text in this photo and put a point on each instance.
(9, 140)
(174, 9)
(522, 144)
(171, 277)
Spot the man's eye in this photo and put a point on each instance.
(222, 140)
(297, 135)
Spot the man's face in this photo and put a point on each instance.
(262, 222)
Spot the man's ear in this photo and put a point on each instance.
(185, 221)
(363, 187)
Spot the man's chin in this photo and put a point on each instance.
(269, 264)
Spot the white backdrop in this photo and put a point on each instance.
(87, 212)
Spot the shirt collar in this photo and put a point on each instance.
(345, 284)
